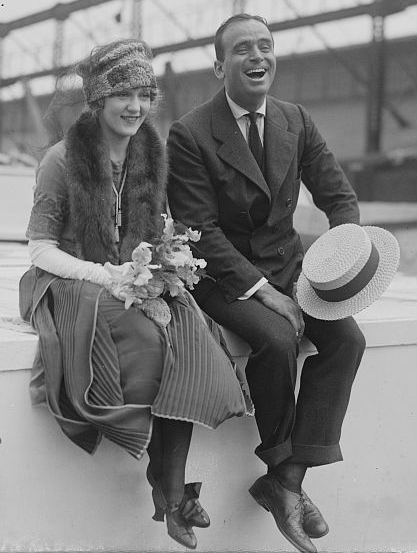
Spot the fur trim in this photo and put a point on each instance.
(91, 196)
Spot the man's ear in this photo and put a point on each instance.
(218, 69)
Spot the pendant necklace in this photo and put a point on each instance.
(118, 206)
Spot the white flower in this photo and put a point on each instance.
(193, 235)
(165, 267)
(142, 254)
(180, 258)
(142, 277)
(169, 229)
(202, 263)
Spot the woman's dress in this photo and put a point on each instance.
(107, 371)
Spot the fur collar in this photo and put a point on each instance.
(91, 197)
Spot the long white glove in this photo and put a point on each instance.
(46, 255)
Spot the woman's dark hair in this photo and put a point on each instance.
(218, 39)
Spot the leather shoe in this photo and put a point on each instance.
(179, 530)
(191, 509)
(286, 507)
(313, 522)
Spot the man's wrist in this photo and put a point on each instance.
(264, 290)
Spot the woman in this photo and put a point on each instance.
(104, 370)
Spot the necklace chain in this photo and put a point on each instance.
(118, 207)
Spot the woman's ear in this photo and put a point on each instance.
(218, 69)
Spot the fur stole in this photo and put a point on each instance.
(91, 197)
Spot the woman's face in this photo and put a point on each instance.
(124, 113)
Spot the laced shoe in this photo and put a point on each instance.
(313, 521)
(286, 507)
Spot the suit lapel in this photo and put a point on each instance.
(280, 146)
(234, 149)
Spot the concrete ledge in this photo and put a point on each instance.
(54, 497)
(17, 345)
(18, 342)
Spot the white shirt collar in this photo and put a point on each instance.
(239, 112)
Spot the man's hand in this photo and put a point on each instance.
(282, 304)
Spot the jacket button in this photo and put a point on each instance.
(281, 251)
(288, 203)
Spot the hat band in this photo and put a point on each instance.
(357, 283)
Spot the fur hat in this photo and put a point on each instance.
(115, 68)
(345, 270)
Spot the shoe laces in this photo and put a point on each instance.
(308, 505)
(300, 504)
(298, 512)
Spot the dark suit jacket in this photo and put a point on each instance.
(246, 219)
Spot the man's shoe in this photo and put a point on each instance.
(287, 509)
(313, 522)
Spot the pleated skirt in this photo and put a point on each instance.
(135, 369)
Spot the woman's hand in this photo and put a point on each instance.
(282, 304)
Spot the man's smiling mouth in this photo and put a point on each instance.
(255, 73)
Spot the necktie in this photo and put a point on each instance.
(254, 140)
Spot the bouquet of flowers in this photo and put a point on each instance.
(165, 267)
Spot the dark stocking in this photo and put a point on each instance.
(168, 453)
(155, 450)
(176, 438)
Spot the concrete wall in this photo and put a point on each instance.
(55, 497)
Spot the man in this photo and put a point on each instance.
(243, 200)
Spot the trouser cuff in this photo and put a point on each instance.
(309, 455)
(276, 454)
(315, 455)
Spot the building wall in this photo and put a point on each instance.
(330, 84)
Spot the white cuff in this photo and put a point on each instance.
(254, 289)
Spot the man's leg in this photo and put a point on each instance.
(271, 369)
(326, 382)
(340, 346)
(325, 386)
(271, 374)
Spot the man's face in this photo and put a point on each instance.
(248, 68)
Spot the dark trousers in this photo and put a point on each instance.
(307, 429)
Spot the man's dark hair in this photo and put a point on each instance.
(218, 39)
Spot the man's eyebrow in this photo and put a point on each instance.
(245, 42)
(249, 41)
(266, 40)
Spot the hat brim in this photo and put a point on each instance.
(389, 258)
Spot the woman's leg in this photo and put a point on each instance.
(170, 489)
(176, 439)
(140, 354)
(155, 453)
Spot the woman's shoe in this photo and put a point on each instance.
(190, 507)
(178, 529)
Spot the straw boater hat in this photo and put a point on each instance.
(345, 270)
